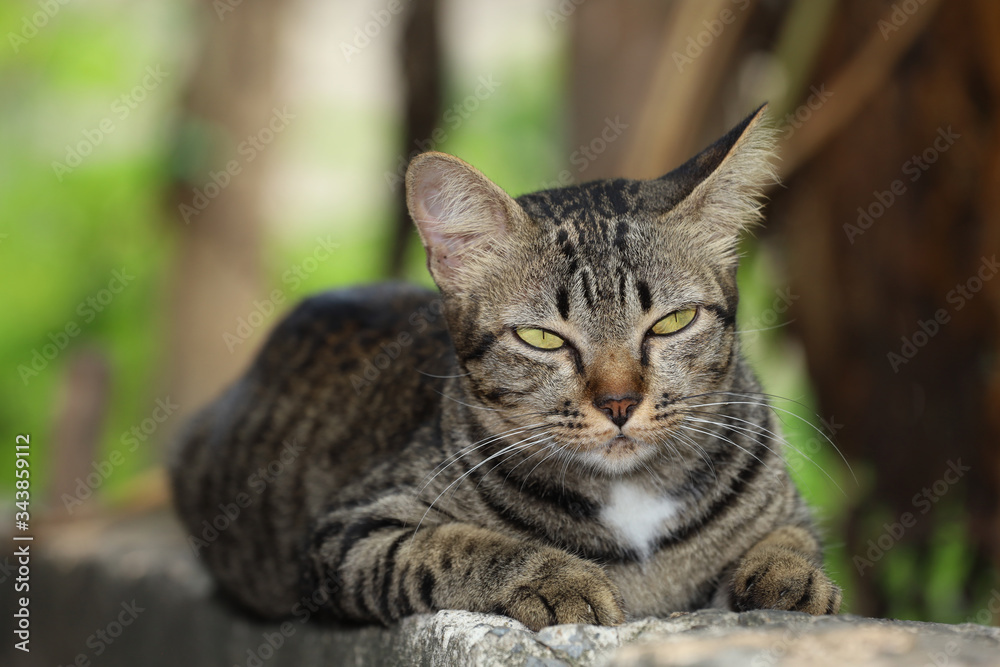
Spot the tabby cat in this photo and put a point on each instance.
(567, 433)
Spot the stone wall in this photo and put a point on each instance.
(133, 594)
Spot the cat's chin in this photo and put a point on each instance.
(619, 455)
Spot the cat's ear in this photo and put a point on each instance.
(718, 193)
(464, 219)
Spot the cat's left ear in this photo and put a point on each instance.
(464, 219)
(717, 194)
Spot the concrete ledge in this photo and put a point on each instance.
(131, 593)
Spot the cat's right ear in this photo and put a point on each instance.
(717, 194)
(464, 219)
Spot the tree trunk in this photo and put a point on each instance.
(885, 226)
(227, 113)
(420, 56)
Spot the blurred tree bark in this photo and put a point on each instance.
(891, 231)
(891, 155)
(81, 409)
(227, 106)
(420, 60)
(607, 39)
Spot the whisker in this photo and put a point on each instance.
(725, 439)
(468, 449)
(777, 437)
(693, 444)
(776, 326)
(564, 471)
(442, 377)
(652, 475)
(462, 477)
(474, 407)
(545, 436)
(776, 408)
(556, 450)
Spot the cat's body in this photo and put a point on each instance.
(392, 451)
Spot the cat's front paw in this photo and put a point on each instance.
(555, 587)
(778, 578)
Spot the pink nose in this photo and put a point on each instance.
(617, 408)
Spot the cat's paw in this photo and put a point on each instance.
(778, 578)
(555, 588)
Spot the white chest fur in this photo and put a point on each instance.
(638, 515)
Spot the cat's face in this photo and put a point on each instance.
(585, 317)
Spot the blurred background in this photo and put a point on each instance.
(174, 176)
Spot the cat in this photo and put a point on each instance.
(566, 433)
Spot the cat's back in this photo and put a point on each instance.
(356, 366)
(341, 384)
(358, 336)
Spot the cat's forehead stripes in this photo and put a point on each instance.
(592, 214)
(562, 303)
(585, 223)
(645, 299)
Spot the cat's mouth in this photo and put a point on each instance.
(621, 444)
(618, 454)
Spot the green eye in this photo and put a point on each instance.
(540, 338)
(675, 321)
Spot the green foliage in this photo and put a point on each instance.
(66, 231)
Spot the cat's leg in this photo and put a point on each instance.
(385, 572)
(784, 571)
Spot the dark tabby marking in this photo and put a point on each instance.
(427, 457)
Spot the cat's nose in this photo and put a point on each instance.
(618, 408)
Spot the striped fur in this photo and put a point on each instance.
(394, 451)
